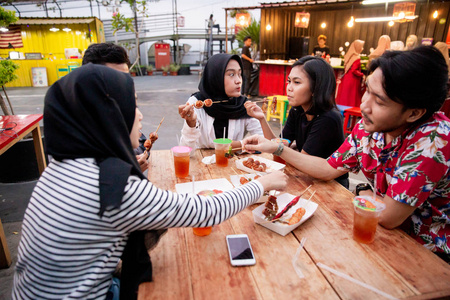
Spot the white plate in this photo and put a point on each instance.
(282, 201)
(270, 164)
(235, 180)
(212, 184)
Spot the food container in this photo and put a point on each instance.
(283, 200)
(236, 181)
(271, 165)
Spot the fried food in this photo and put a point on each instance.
(271, 208)
(198, 104)
(297, 216)
(208, 102)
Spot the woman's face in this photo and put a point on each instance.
(233, 79)
(135, 131)
(298, 89)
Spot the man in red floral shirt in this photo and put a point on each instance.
(401, 138)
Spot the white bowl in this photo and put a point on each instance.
(283, 200)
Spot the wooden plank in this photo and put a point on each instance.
(171, 276)
(39, 149)
(5, 257)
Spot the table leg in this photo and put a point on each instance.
(39, 149)
(5, 257)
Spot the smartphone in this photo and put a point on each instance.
(240, 250)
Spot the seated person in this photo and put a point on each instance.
(92, 199)
(321, 50)
(313, 123)
(116, 57)
(221, 82)
(401, 139)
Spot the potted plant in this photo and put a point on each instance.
(150, 70)
(165, 69)
(143, 70)
(133, 71)
(184, 70)
(7, 70)
(174, 69)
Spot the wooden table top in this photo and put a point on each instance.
(189, 267)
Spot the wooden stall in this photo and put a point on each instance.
(43, 48)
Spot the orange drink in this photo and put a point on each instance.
(181, 160)
(286, 143)
(202, 231)
(221, 146)
(366, 217)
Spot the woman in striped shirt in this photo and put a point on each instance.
(92, 197)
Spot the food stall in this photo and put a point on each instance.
(55, 44)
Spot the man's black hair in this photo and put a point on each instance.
(322, 83)
(416, 78)
(103, 53)
(247, 37)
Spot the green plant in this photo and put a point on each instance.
(233, 12)
(134, 68)
(7, 70)
(253, 31)
(174, 67)
(150, 68)
(165, 68)
(119, 22)
(7, 17)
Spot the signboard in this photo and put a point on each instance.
(180, 21)
(39, 76)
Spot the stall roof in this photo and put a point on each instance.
(49, 21)
(293, 4)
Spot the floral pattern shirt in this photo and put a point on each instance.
(413, 169)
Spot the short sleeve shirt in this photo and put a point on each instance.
(413, 169)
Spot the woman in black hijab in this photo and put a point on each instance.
(92, 202)
(221, 80)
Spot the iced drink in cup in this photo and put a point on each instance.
(203, 231)
(367, 212)
(286, 143)
(181, 160)
(221, 146)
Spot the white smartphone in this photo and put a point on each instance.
(240, 250)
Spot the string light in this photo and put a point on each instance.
(323, 25)
(54, 29)
(435, 14)
(268, 27)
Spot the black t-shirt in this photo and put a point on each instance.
(317, 51)
(247, 65)
(319, 137)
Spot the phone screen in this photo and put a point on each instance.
(240, 248)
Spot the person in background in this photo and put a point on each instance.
(211, 24)
(115, 57)
(384, 43)
(349, 91)
(397, 46)
(221, 81)
(321, 50)
(402, 141)
(443, 48)
(411, 42)
(313, 123)
(93, 197)
(247, 63)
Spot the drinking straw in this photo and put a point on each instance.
(178, 140)
(345, 276)
(296, 257)
(224, 129)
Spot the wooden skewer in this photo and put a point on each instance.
(159, 124)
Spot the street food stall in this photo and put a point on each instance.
(48, 48)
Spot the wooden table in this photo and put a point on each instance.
(189, 267)
(24, 124)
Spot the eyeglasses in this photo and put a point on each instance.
(9, 131)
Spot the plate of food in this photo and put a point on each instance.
(238, 180)
(277, 216)
(255, 164)
(220, 184)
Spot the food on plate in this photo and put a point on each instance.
(297, 216)
(208, 102)
(209, 192)
(198, 104)
(255, 165)
(243, 180)
(271, 208)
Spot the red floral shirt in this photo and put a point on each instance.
(412, 169)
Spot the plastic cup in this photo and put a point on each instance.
(181, 160)
(367, 212)
(286, 143)
(221, 146)
(202, 231)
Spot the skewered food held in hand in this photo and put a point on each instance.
(273, 107)
(198, 104)
(208, 102)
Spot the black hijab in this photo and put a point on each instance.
(90, 113)
(212, 86)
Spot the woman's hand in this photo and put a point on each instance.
(274, 181)
(258, 143)
(187, 112)
(143, 160)
(253, 110)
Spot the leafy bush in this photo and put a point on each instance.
(165, 68)
(174, 67)
(7, 69)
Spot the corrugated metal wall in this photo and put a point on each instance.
(274, 42)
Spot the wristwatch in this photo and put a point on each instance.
(362, 187)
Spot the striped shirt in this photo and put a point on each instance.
(68, 252)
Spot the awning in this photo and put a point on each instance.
(53, 21)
